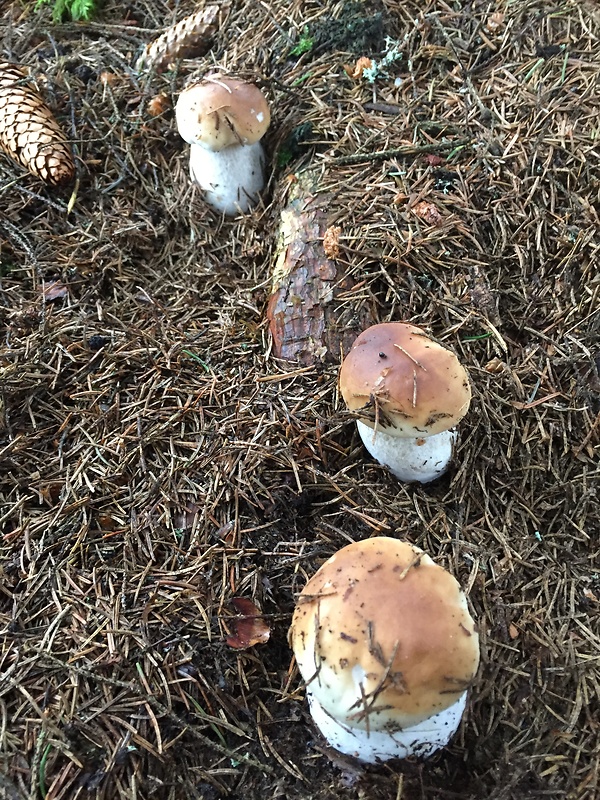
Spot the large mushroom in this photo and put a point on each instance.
(386, 645)
(410, 393)
(223, 120)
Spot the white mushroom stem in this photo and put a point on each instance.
(232, 178)
(420, 740)
(420, 459)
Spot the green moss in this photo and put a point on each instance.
(357, 30)
(295, 143)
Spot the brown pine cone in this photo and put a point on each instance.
(28, 131)
(188, 38)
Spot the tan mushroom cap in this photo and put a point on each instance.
(220, 112)
(407, 383)
(383, 636)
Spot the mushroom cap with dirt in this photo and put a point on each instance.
(410, 392)
(387, 647)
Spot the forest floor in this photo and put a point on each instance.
(157, 460)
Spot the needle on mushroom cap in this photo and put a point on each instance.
(384, 640)
(410, 393)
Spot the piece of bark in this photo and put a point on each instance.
(189, 38)
(29, 134)
(313, 313)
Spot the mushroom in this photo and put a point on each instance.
(386, 645)
(223, 120)
(410, 392)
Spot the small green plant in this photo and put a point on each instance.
(305, 43)
(69, 9)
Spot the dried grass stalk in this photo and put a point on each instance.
(188, 38)
(28, 131)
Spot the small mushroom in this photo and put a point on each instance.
(223, 120)
(410, 393)
(384, 640)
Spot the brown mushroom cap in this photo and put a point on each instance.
(383, 636)
(413, 385)
(220, 112)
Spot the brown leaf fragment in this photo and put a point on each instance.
(331, 241)
(54, 290)
(29, 134)
(189, 38)
(249, 627)
(108, 78)
(513, 631)
(158, 104)
(428, 212)
(494, 21)
(357, 70)
(496, 366)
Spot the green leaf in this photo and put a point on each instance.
(82, 9)
(72, 9)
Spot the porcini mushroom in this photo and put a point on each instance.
(223, 120)
(387, 647)
(410, 393)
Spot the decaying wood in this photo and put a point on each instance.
(28, 131)
(313, 312)
(190, 37)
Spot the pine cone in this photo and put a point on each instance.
(190, 37)
(28, 131)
